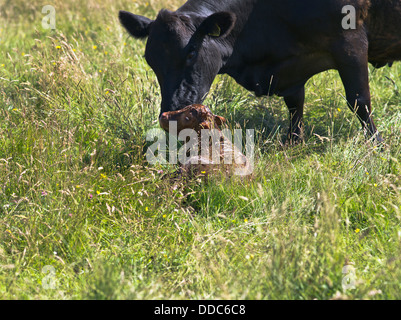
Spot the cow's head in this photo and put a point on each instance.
(185, 51)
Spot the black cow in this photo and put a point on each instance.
(269, 47)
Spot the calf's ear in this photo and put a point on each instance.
(137, 26)
(205, 125)
(218, 25)
(220, 120)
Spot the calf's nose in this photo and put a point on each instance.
(163, 116)
(164, 121)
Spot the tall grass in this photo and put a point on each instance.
(78, 197)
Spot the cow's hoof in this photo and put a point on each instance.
(293, 139)
(378, 142)
(376, 139)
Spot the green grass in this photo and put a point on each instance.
(77, 194)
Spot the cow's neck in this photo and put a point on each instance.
(208, 7)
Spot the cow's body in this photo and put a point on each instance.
(269, 47)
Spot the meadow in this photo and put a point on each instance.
(84, 216)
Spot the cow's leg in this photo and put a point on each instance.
(354, 73)
(295, 104)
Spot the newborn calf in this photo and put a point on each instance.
(221, 151)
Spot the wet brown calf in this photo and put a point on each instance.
(195, 117)
(222, 152)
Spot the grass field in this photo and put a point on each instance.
(84, 216)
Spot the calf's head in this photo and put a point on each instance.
(185, 50)
(195, 117)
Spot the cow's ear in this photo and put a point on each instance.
(218, 24)
(137, 26)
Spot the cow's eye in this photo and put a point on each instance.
(191, 56)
